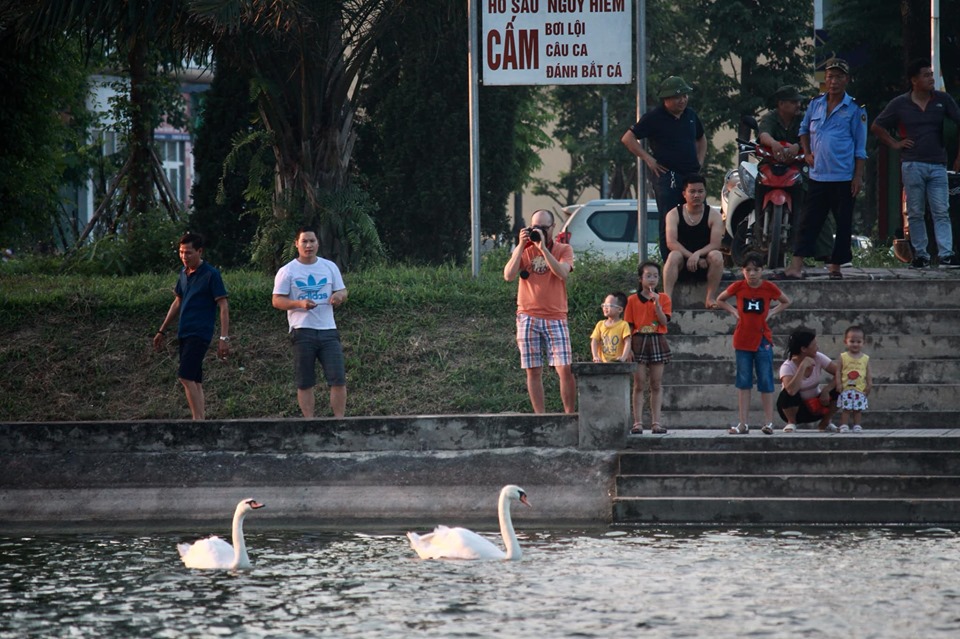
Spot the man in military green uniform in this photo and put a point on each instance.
(782, 124)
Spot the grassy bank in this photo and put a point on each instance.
(417, 341)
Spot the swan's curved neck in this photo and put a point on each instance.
(506, 529)
(240, 557)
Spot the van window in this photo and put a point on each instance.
(620, 226)
(613, 226)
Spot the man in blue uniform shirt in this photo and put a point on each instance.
(833, 136)
(677, 143)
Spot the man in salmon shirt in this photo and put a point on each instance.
(543, 266)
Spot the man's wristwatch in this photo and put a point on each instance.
(224, 338)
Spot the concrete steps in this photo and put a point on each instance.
(703, 348)
(905, 466)
(885, 371)
(786, 486)
(705, 478)
(772, 511)
(726, 416)
(903, 396)
(912, 323)
(825, 321)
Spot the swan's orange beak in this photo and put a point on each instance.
(523, 500)
(255, 504)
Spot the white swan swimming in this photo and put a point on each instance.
(460, 543)
(215, 553)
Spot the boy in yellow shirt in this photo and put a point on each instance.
(610, 340)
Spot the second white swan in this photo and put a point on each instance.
(460, 543)
(214, 553)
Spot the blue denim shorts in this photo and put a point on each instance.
(762, 361)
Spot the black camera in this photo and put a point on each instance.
(534, 233)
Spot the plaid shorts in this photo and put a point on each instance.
(650, 348)
(532, 332)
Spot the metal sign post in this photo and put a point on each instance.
(542, 42)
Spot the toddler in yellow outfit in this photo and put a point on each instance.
(853, 379)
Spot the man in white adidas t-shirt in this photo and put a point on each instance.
(308, 288)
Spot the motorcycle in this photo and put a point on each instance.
(736, 205)
(771, 234)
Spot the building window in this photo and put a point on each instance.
(171, 155)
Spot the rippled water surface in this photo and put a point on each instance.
(643, 583)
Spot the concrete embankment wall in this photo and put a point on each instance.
(371, 471)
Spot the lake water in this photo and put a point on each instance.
(637, 583)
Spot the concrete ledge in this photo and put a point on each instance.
(419, 432)
(63, 489)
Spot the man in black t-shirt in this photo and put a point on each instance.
(677, 144)
(918, 116)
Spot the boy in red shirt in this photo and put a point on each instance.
(753, 339)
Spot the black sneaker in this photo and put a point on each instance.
(920, 263)
(950, 262)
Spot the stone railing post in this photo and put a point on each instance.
(603, 392)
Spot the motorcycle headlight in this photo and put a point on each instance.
(748, 182)
(730, 182)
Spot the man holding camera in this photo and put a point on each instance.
(543, 266)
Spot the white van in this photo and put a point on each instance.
(608, 228)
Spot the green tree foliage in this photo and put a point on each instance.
(42, 121)
(752, 47)
(413, 149)
(881, 38)
(734, 53)
(306, 60)
(149, 36)
(220, 209)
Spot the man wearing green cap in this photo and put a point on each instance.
(779, 130)
(782, 124)
(677, 143)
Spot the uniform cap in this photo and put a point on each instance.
(837, 63)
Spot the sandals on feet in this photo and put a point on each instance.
(767, 430)
(637, 429)
(657, 429)
(739, 429)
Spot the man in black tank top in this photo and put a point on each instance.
(694, 233)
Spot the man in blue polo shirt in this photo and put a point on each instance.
(918, 115)
(198, 295)
(677, 143)
(833, 136)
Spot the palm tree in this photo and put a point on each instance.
(308, 57)
(140, 32)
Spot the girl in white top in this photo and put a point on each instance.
(802, 399)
